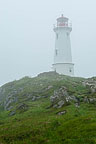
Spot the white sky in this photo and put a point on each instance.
(27, 39)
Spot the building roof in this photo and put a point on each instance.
(62, 18)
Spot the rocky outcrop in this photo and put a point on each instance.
(91, 84)
(9, 97)
(62, 97)
(90, 100)
(64, 90)
(22, 106)
(49, 87)
(8, 102)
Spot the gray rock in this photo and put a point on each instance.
(49, 87)
(75, 99)
(55, 106)
(77, 105)
(10, 108)
(12, 113)
(60, 104)
(93, 89)
(61, 97)
(38, 97)
(33, 98)
(9, 101)
(86, 100)
(54, 98)
(92, 100)
(62, 112)
(44, 96)
(22, 106)
(91, 83)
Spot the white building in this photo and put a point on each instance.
(62, 57)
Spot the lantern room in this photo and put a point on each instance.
(62, 21)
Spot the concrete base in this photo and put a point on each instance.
(64, 68)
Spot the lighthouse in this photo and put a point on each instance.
(62, 56)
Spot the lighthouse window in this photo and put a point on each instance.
(57, 36)
(56, 52)
(70, 70)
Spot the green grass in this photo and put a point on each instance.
(40, 125)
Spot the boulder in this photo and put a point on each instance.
(60, 103)
(77, 105)
(22, 106)
(60, 97)
(9, 101)
(92, 100)
(55, 106)
(48, 88)
(91, 84)
(62, 112)
(86, 100)
(10, 108)
(33, 98)
(12, 113)
(93, 89)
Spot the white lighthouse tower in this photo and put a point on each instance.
(62, 57)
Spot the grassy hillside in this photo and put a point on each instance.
(35, 122)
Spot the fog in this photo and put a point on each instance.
(27, 40)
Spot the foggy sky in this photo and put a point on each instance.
(27, 40)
